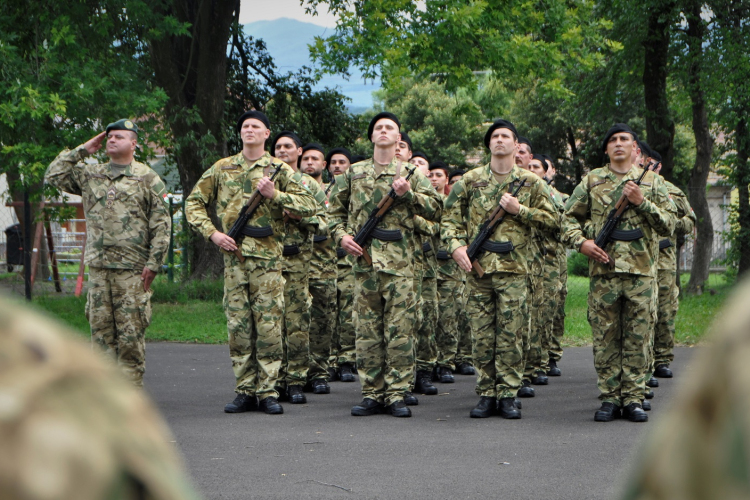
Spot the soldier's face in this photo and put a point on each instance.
(536, 167)
(438, 179)
(502, 142)
(339, 164)
(403, 152)
(287, 151)
(313, 163)
(620, 146)
(385, 133)
(421, 164)
(121, 143)
(523, 155)
(253, 132)
(454, 180)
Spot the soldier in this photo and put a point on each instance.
(453, 178)
(385, 298)
(287, 147)
(322, 281)
(524, 153)
(253, 289)
(71, 426)
(497, 301)
(622, 284)
(338, 161)
(439, 173)
(127, 225)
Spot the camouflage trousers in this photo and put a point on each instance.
(534, 353)
(669, 302)
(342, 342)
(297, 306)
(322, 325)
(451, 306)
(548, 311)
(427, 319)
(119, 311)
(385, 310)
(621, 313)
(558, 322)
(254, 306)
(498, 315)
(464, 352)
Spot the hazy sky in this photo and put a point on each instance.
(267, 10)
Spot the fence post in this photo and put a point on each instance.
(170, 252)
(27, 243)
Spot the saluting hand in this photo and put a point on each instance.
(401, 186)
(510, 204)
(592, 251)
(351, 247)
(462, 259)
(95, 143)
(266, 188)
(633, 192)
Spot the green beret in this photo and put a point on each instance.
(123, 124)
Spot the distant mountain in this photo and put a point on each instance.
(287, 41)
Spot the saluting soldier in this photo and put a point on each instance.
(497, 301)
(623, 276)
(385, 297)
(253, 289)
(127, 226)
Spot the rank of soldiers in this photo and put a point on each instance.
(398, 270)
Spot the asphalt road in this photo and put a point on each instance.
(318, 450)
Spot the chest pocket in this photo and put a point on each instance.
(130, 196)
(230, 183)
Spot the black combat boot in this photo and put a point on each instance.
(465, 369)
(367, 407)
(663, 371)
(519, 405)
(446, 375)
(634, 413)
(539, 378)
(410, 399)
(333, 373)
(346, 374)
(486, 407)
(553, 371)
(652, 382)
(650, 394)
(646, 405)
(398, 409)
(607, 413)
(271, 406)
(526, 391)
(241, 404)
(320, 386)
(506, 408)
(295, 395)
(424, 385)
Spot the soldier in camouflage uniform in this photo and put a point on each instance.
(253, 289)
(71, 427)
(623, 278)
(322, 279)
(343, 356)
(497, 301)
(699, 450)
(385, 299)
(127, 224)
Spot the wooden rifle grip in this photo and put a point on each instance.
(366, 256)
(238, 254)
(477, 268)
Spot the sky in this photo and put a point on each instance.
(268, 10)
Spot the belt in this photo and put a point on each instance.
(426, 247)
(387, 234)
(443, 255)
(665, 243)
(257, 232)
(629, 235)
(319, 238)
(340, 253)
(291, 250)
(497, 247)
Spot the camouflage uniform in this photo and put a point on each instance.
(451, 310)
(426, 283)
(71, 427)
(557, 332)
(621, 300)
(700, 448)
(127, 224)
(497, 306)
(669, 292)
(253, 290)
(342, 343)
(385, 301)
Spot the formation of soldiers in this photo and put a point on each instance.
(399, 270)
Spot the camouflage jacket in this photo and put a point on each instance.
(447, 267)
(127, 220)
(587, 209)
(428, 241)
(357, 195)
(298, 234)
(547, 240)
(684, 223)
(323, 262)
(476, 195)
(230, 182)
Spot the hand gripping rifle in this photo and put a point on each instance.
(363, 235)
(614, 217)
(236, 232)
(486, 230)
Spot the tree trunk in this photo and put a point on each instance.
(704, 144)
(742, 173)
(193, 72)
(659, 124)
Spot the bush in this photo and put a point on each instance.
(578, 264)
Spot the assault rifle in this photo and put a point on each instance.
(377, 214)
(330, 185)
(488, 227)
(237, 230)
(615, 215)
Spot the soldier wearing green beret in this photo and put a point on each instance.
(127, 224)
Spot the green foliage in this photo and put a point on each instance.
(578, 264)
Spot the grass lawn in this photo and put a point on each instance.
(193, 312)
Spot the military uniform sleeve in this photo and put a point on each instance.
(196, 212)
(541, 212)
(159, 223)
(453, 226)
(66, 171)
(685, 216)
(338, 207)
(659, 212)
(318, 223)
(426, 227)
(577, 215)
(294, 197)
(423, 197)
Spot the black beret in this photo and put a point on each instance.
(524, 140)
(285, 133)
(499, 124)
(645, 149)
(455, 173)
(541, 158)
(549, 158)
(406, 139)
(655, 155)
(123, 124)
(440, 165)
(358, 158)
(380, 116)
(420, 154)
(258, 115)
(314, 146)
(338, 151)
(617, 127)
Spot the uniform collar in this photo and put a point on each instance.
(128, 172)
(633, 174)
(263, 161)
(513, 175)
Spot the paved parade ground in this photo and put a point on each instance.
(318, 450)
